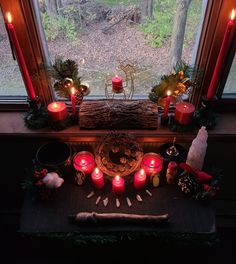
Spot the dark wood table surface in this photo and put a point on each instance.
(185, 215)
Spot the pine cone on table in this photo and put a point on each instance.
(188, 184)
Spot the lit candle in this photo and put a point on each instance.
(73, 100)
(139, 179)
(117, 83)
(57, 111)
(221, 56)
(97, 178)
(166, 109)
(20, 58)
(184, 113)
(118, 185)
(152, 163)
(84, 161)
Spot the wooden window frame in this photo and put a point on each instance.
(216, 17)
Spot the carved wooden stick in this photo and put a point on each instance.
(93, 217)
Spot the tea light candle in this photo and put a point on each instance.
(117, 83)
(152, 163)
(57, 111)
(118, 185)
(84, 161)
(97, 178)
(139, 179)
(184, 113)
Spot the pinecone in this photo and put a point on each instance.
(188, 184)
(79, 97)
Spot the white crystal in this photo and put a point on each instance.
(197, 150)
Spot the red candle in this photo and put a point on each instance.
(184, 113)
(117, 83)
(221, 56)
(166, 109)
(20, 58)
(118, 185)
(151, 163)
(57, 111)
(84, 161)
(73, 100)
(97, 178)
(139, 179)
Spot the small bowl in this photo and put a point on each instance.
(54, 155)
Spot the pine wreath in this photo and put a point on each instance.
(64, 71)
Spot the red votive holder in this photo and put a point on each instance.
(57, 111)
(118, 185)
(152, 163)
(97, 178)
(139, 179)
(184, 113)
(84, 161)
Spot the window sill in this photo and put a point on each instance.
(12, 125)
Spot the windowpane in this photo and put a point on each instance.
(103, 33)
(230, 86)
(11, 83)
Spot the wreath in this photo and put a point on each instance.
(118, 154)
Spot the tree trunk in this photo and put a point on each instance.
(118, 114)
(51, 7)
(147, 8)
(177, 39)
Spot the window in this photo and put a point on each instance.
(11, 83)
(100, 34)
(230, 86)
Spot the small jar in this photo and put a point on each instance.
(152, 163)
(84, 161)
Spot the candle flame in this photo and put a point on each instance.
(185, 106)
(116, 75)
(232, 14)
(73, 90)
(83, 162)
(9, 17)
(152, 162)
(168, 93)
(83, 61)
(96, 170)
(55, 105)
(142, 172)
(117, 178)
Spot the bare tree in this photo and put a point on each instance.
(51, 7)
(177, 39)
(147, 8)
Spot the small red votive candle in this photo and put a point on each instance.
(152, 163)
(84, 161)
(184, 113)
(97, 178)
(139, 179)
(117, 83)
(118, 185)
(57, 111)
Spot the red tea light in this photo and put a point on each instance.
(97, 178)
(117, 83)
(152, 163)
(118, 185)
(84, 161)
(184, 113)
(57, 111)
(139, 179)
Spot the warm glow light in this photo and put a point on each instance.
(152, 162)
(9, 17)
(142, 172)
(116, 75)
(117, 177)
(232, 14)
(185, 106)
(83, 162)
(73, 90)
(55, 105)
(96, 170)
(168, 93)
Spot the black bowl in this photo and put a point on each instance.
(54, 155)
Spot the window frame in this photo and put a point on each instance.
(216, 17)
